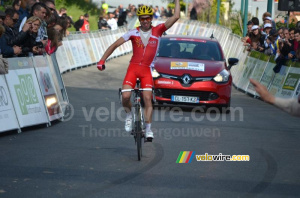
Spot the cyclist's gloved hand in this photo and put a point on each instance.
(101, 65)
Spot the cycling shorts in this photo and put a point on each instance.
(135, 71)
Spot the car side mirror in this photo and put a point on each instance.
(232, 62)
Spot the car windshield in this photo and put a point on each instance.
(189, 49)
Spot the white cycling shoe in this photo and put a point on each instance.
(149, 134)
(128, 124)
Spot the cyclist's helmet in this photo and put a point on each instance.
(144, 10)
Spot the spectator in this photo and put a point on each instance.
(11, 35)
(16, 5)
(40, 10)
(112, 22)
(162, 12)
(116, 13)
(62, 11)
(50, 5)
(122, 17)
(64, 23)
(51, 20)
(30, 44)
(246, 39)
(54, 41)
(11, 17)
(169, 12)
(267, 16)
(156, 14)
(257, 39)
(291, 105)
(270, 49)
(255, 21)
(2, 17)
(58, 27)
(282, 54)
(69, 24)
(85, 28)
(3, 62)
(267, 29)
(193, 14)
(297, 39)
(102, 23)
(25, 8)
(79, 23)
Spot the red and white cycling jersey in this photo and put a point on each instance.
(144, 55)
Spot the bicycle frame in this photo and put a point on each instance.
(138, 116)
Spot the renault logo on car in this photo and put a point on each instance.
(186, 79)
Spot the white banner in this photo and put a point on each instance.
(8, 119)
(268, 74)
(74, 46)
(62, 59)
(47, 87)
(290, 83)
(25, 92)
(258, 72)
(278, 80)
(244, 80)
(67, 47)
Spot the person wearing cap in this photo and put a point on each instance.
(145, 40)
(267, 28)
(257, 38)
(268, 19)
(85, 28)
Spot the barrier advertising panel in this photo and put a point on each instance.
(258, 72)
(8, 119)
(252, 59)
(62, 59)
(69, 53)
(290, 83)
(47, 87)
(278, 80)
(25, 92)
(268, 74)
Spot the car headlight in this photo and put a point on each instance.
(155, 74)
(223, 76)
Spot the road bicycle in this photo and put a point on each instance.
(138, 129)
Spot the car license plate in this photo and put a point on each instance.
(187, 99)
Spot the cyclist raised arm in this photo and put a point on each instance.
(145, 39)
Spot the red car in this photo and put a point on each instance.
(192, 70)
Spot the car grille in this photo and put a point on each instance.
(203, 95)
(192, 79)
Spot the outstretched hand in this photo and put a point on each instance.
(263, 92)
(101, 65)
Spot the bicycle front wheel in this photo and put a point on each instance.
(138, 131)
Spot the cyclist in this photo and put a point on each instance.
(145, 40)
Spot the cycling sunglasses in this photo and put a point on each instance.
(145, 19)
